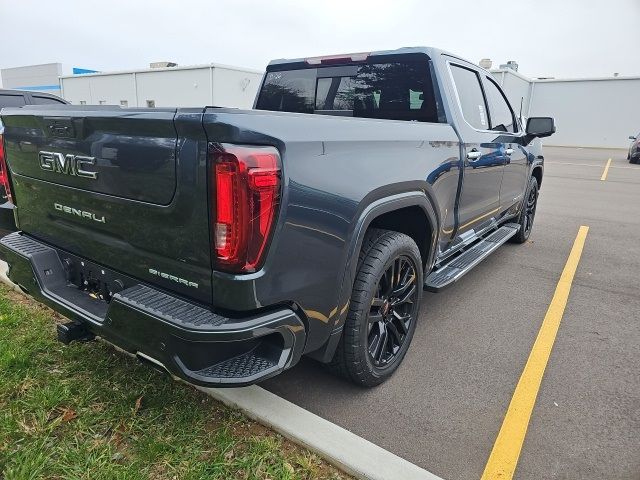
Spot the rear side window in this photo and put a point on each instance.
(394, 90)
(501, 114)
(467, 85)
(46, 100)
(11, 101)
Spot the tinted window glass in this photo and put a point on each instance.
(11, 101)
(45, 100)
(291, 91)
(501, 115)
(471, 99)
(398, 91)
(335, 93)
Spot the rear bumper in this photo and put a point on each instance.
(187, 340)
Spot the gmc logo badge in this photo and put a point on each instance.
(74, 165)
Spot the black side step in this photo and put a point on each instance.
(451, 272)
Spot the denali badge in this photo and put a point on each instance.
(67, 164)
(153, 271)
(79, 213)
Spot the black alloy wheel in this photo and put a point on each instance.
(383, 309)
(530, 209)
(392, 311)
(528, 212)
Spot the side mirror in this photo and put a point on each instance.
(631, 137)
(540, 127)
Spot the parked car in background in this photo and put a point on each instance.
(18, 98)
(634, 150)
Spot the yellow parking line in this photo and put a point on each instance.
(506, 449)
(606, 170)
(546, 163)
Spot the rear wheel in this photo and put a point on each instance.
(528, 213)
(383, 309)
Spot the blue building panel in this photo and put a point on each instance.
(38, 87)
(81, 71)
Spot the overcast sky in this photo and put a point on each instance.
(567, 38)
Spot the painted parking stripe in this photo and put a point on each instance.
(506, 449)
(588, 165)
(606, 170)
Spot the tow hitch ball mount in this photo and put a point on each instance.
(71, 331)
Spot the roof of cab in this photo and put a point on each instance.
(429, 51)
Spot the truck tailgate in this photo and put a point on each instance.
(102, 183)
(134, 152)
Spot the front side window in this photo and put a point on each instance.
(467, 85)
(501, 115)
(394, 90)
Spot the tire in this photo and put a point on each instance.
(380, 307)
(528, 213)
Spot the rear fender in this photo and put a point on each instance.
(368, 215)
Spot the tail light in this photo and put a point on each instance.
(4, 173)
(245, 190)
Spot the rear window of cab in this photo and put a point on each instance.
(393, 90)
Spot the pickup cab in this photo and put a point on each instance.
(221, 245)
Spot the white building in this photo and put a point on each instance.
(589, 112)
(189, 86)
(37, 78)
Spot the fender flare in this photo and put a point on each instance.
(370, 213)
(537, 163)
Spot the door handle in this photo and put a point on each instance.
(474, 155)
(509, 151)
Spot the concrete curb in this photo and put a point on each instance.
(351, 453)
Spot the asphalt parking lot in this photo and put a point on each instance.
(444, 408)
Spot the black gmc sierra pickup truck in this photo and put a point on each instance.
(221, 245)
